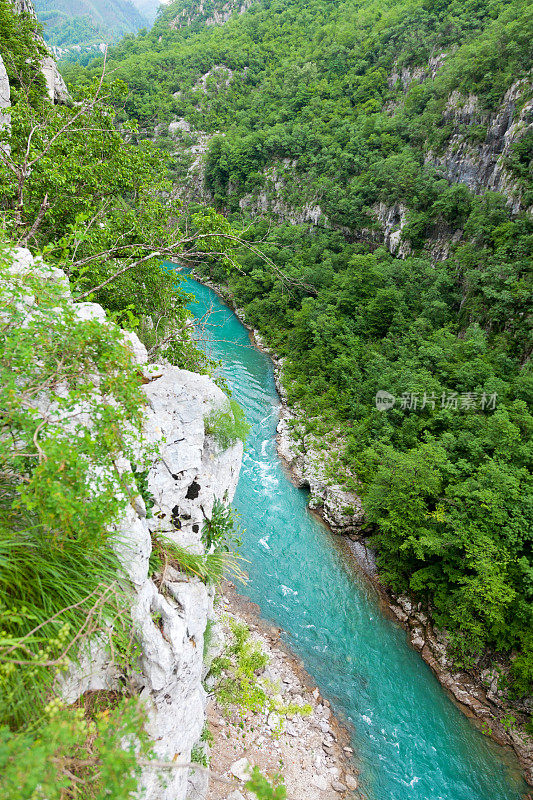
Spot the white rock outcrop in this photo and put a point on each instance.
(187, 472)
(5, 96)
(55, 85)
(311, 461)
(217, 13)
(484, 166)
(392, 220)
(308, 463)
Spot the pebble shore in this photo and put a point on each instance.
(312, 752)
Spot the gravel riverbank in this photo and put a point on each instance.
(311, 751)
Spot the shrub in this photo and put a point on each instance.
(219, 531)
(228, 425)
(72, 754)
(70, 403)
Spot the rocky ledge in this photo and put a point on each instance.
(310, 466)
(186, 472)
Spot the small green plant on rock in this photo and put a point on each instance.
(236, 669)
(219, 531)
(208, 637)
(236, 673)
(207, 736)
(509, 722)
(227, 425)
(209, 567)
(263, 789)
(199, 755)
(141, 481)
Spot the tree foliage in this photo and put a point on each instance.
(343, 102)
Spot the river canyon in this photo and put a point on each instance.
(410, 740)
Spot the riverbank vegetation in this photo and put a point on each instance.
(345, 107)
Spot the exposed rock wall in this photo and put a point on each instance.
(409, 75)
(55, 85)
(5, 96)
(220, 14)
(392, 220)
(191, 145)
(187, 471)
(308, 462)
(482, 166)
(286, 195)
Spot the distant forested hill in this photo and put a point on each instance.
(84, 22)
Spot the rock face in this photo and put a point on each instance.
(407, 76)
(5, 96)
(169, 610)
(482, 166)
(392, 220)
(307, 461)
(285, 194)
(218, 15)
(185, 481)
(55, 85)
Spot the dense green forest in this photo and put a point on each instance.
(85, 22)
(309, 88)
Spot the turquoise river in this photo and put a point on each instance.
(411, 742)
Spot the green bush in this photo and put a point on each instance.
(219, 531)
(67, 753)
(227, 425)
(59, 488)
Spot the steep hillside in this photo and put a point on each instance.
(380, 152)
(77, 26)
(323, 93)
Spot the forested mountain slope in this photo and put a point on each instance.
(382, 153)
(88, 22)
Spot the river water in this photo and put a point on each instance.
(411, 741)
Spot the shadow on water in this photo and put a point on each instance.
(412, 742)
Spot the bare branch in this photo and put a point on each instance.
(39, 218)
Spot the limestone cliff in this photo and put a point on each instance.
(187, 471)
(477, 152)
(483, 166)
(55, 85)
(208, 12)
